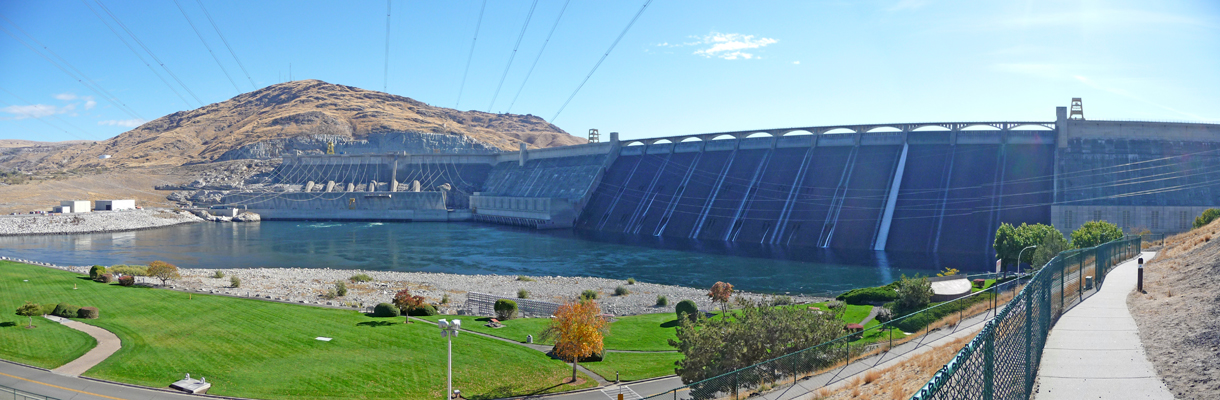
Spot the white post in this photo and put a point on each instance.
(449, 394)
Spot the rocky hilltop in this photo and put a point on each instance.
(301, 116)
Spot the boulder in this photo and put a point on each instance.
(247, 217)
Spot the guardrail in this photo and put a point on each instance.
(843, 351)
(1002, 361)
(17, 394)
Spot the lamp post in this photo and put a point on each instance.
(1019, 256)
(449, 329)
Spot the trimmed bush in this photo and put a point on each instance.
(523, 294)
(687, 309)
(385, 310)
(505, 309)
(48, 308)
(589, 294)
(662, 301)
(360, 278)
(235, 282)
(127, 280)
(426, 310)
(96, 271)
(621, 290)
(87, 313)
(863, 296)
(133, 270)
(105, 278)
(66, 310)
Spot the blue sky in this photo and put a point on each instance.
(684, 67)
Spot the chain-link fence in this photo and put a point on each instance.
(853, 352)
(1002, 361)
(16, 394)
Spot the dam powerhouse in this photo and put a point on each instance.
(919, 187)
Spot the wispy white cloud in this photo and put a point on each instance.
(66, 96)
(796, 63)
(126, 123)
(728, 46)
(31, 111)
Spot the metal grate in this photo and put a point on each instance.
(483, 304)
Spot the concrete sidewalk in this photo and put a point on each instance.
(1094, 351)
(107, 344)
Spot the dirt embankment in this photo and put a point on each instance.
(1179, 313)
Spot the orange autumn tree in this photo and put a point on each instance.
(721, 292)
(577, 329)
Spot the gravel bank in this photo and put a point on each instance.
(307, 286)
(91, 222)
(1179, 316)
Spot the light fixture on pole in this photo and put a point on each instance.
(1019, 257)
(449, 329)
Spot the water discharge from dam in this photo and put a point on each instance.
(468, 248)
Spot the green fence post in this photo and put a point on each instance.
(1029, 342)
(989, 364)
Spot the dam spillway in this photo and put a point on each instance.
(922, 188)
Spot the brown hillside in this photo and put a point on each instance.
(298, 108)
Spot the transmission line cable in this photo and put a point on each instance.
(513, 55)
(385, 79)
(150, 53)
(137, 53)
(226, 42)
(92, 86)
(599, 62)
(206, 46)
(470, 56)
(539, 57)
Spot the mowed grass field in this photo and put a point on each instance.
(259, 349)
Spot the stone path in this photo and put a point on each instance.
(107, 344)
(1094, 351)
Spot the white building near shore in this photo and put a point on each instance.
(74, 206)
(114, 205)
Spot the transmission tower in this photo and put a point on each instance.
(594, 137)
(1077, 109)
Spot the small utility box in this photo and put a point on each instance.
(1088, 282)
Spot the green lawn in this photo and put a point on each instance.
(646, 332)
(259, 349)
(635, 366)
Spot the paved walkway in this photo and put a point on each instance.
(1094, 351)
(107, 344)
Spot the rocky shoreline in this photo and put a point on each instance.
(91, 222)
(309, 286)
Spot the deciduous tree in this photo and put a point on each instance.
(577, 329)
(163, 271)
(29, 310)
(1094, 233)
(720, 293)
(407, 302)
(1009, 241)
(913, 294)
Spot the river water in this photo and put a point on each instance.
(467, 248)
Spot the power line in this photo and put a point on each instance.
(226, 42)
(385, 80)
(469, 57)
(92, 85)
(599, 62)
(539, 57)
(137, 53)
(513, 55)
(150, 53)
(205, 45)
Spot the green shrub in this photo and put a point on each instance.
(1094, 233)
(127, 280)
(426, 310)
(621, 290)
(235, 282)
(66, 310)
(218, 275)
(868, 295)
(96, 271)
(133, 270)
(87, 313)
(662, 301)
(588, 294)
(104, 278)
(360, 278)
(340, 289)
(523, 294)
(445, 298)
(48, 308)
(505, 309)
(330, 294)
(385, 310)
(524, 278)
(1207, 217)
(913, 294)
(781, 301)
(687, 308)
(630, 281)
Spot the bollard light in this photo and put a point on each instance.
(1139, 282)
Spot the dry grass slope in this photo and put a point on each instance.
(1179, 315)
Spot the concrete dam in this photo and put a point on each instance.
(926, 188)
